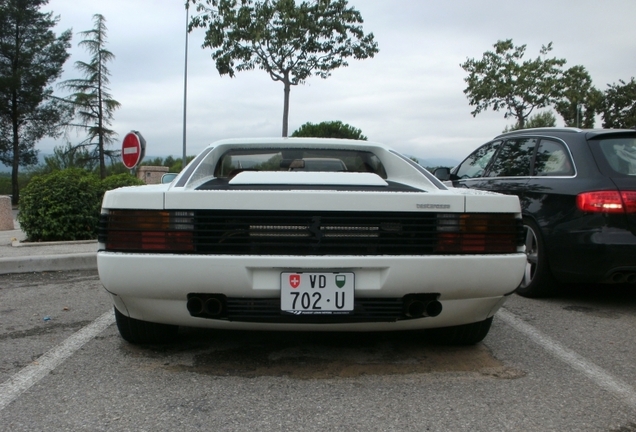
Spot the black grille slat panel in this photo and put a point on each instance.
(314, 233)
(268, 310)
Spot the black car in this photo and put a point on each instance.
(577, 190)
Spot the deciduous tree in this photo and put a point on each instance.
(289, 40)
(619, 105)
(580, 100)
(544, 119)
(329, 129)
(31, 59)
(502, 80)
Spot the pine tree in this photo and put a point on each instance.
(91, 98)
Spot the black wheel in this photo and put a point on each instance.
(467, 334)
(537, 279)
(142, 332)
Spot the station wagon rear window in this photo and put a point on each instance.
(620, 153)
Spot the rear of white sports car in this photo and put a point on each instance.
(252, 236)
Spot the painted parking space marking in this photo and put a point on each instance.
(31, 374)
(601, 377)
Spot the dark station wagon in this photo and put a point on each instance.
(577, 190)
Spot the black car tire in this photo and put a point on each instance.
(537, 279)
(143, 332)
(466, 334)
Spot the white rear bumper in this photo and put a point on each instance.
(154, 287)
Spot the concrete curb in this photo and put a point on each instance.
(18, 243)
(42, 263)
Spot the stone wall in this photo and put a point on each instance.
(6, 215)
(151, 174)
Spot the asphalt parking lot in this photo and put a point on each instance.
(566, 363)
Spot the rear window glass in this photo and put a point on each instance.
(326, 160)
(552, 159)
(620, 154)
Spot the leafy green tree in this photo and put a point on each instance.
(168, 161)
(618, 107)
(116, 167)
(503, 80)
(158, 161)
(68, 156)
(543, 119)
(31, 59)
(94, 105)
(289, 40)
(580, 100)
(329, 129)
(177, 164)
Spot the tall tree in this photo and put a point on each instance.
(289, 40)
(31, 59)
(94, 106)
(329, 129)
(619, 105)
(503, 80)
(579, 101)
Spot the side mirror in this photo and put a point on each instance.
(168, 177)
(442, 174)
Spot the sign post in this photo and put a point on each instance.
(133, 149)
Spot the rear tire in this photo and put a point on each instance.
(143, 332)
(467, 334)
(537, 279)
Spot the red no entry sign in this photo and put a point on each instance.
(132, 149)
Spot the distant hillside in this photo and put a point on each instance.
(7, 169)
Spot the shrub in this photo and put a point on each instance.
(65, 205)
(120, 180)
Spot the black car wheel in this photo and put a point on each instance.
(537, 280)
(467, 334)
(143, 332)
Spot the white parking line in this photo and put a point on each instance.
(605, 380)
(30, 375)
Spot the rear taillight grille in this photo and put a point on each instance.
(147, 231)
(226, 232)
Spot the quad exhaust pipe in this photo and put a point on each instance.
(623, 277)
(207, 306)
(416, 308)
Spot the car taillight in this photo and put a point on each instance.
(629, 199)
(478, 233)
(147, 230)
(607, 202)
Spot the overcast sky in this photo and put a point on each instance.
(410, 96)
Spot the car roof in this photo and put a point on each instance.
(560, 131)
(309, 142)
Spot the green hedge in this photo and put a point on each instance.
(65, 205)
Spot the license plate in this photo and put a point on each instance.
(317, 293)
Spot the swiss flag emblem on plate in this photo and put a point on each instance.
(294, 280)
